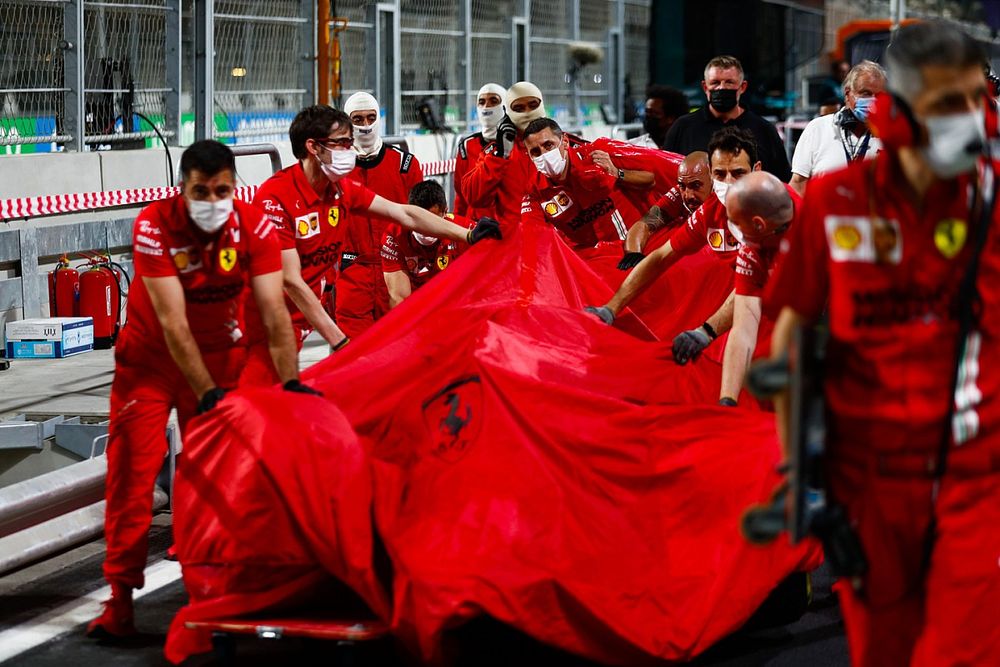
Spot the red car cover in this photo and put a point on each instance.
(523, 460)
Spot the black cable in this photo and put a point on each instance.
(170, 159)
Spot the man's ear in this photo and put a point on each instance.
(759, 224)
(757, 166)
(743, 87)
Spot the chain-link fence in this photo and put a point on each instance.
(100, 74)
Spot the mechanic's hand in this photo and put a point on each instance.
(603, 313)
(689, 344)
(346, 259)
(210, 399)
(506, 134)
(727, 402)
(630, 261)
(603, 160)
(486, 228)
(299, 388)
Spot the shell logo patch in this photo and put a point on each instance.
(186, 259)
(715, 239)
(557, 205)
(950, 236)
(847, 237)
(333, 217)
(307, 225)
(442, 262)
(227, 259)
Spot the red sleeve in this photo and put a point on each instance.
(801, 279)
(751, 272)
(391, 260)
(671, 204)
(483, 180)
(530, 210)
(263, 242)
(357, 198)
(462, 165)
(149, 243)
(284, 225)
(689, 238)
(585, 175)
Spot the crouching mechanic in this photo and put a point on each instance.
(182, 346)
(409, 258)
(694, 185)
(732, 155)
(760, 211)
(313, 203)
(567, 191)
(913, 358)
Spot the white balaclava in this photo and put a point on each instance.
(367, 139)
(489, 117)
(523, 118)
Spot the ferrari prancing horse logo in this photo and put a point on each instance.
(453, 417)
(227, 259)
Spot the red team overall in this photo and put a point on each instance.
(410, 259)
(195, 255)
(887, 244)
(489, 107)
(389, 172)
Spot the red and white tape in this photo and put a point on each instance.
(33, 207)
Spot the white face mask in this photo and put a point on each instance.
(424, 240)
(551, 164)
(341, 164)
(955, 142)
(738, 234)
(720, 188)
(489, 118)
(208, 216)
(367, 138)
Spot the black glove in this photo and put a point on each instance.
(727, 402)
(209, 399)
(299, 388)
(603, 313)
(689, 344)
(506, 134)
(486, 228)
(346, 260)
(630, 260)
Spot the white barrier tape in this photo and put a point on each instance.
(438, 167)
(33, 207)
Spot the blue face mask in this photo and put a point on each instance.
(863, 107)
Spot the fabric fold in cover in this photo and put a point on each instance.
(522, 459)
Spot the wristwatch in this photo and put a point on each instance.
(621, 174)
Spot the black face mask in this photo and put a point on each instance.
(723, 99)
(651, 126)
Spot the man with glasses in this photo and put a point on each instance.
(312, 205)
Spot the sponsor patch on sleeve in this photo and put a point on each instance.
(864, 239)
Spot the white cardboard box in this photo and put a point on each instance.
(49, 338)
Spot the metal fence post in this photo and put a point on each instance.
(74, 123)
(308, 37)
(172, 51)
(31, 297)
(574, 13)
(619, 72)
(203, 21)
(467, 106)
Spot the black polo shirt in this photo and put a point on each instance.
(692, 132)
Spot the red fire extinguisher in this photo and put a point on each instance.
(64, 290)
(100, 299)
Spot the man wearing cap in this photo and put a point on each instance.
(489, 108)
(312, 204)
(388, 171)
